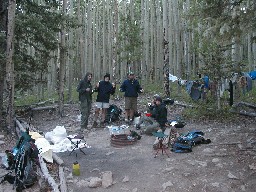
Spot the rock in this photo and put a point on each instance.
(110, 153)
(95, 182)
(202, 163)
(126, 179)
(169, 169)
(1, 136)
(215, 160)
(167, 184)
(252, 166)
(186, 174)
(207, 150)
(231, 176)
(135, 190)
(219, 165)
(95, 170)
(107, 179)
(240, 146)
(83, 183)
(243, 188)
(215, 184)
(2, 142)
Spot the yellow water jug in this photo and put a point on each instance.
(76, 168)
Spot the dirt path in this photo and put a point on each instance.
(227, 164)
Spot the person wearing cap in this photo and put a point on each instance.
(148, 120)
(85, 91)
(159, 114)
(131, 88)
(104, 89)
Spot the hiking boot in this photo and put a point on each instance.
(95, 124)
(137, 126)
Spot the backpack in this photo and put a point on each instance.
(184, 143)
(25, 158)
(113, 113)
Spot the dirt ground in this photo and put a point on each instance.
(227, 164)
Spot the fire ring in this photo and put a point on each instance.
(122, 140)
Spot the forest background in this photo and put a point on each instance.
(47, 46)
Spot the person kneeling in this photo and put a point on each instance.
(159, 117)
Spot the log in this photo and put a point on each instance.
(63, 184)
(183, 104)
(245, 113)
(57, 159)
(47, 107)
(19, 127)
(47, 176)
(239, 104)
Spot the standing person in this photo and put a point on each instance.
(131, 88)
(104, 89)
(85, 91)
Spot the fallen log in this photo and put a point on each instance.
(63, 183)
(19, 127)
(245, 113)
(239, 104)
(47, 107)
(183, 104)
(47, 176)
(57, 159)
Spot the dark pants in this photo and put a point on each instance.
(85, 112)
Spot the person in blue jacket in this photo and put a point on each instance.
(131, 88)
(104, 89)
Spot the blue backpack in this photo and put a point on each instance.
(184, 143)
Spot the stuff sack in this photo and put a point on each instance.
(113, 113)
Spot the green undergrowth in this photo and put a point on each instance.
(200, 109)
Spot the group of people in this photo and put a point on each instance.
(131, 88)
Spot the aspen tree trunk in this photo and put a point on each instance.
(70, 60)
(143, 60)
(62, 64)
(79, 42)
(170, 37)
(152, 34)
(166, 50)
(146, 38)
(97, 73)
(89, 59)
(3, 30)
(115, 36)
(10, 64)
(104, 36)
(159, 44)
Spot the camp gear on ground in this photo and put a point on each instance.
(76, 169)
(184, 143)
(113, 113)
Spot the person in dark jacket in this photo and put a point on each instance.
(131, 88)
(159, 114)
(85, 91)
(147, 120)
(104, 89)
